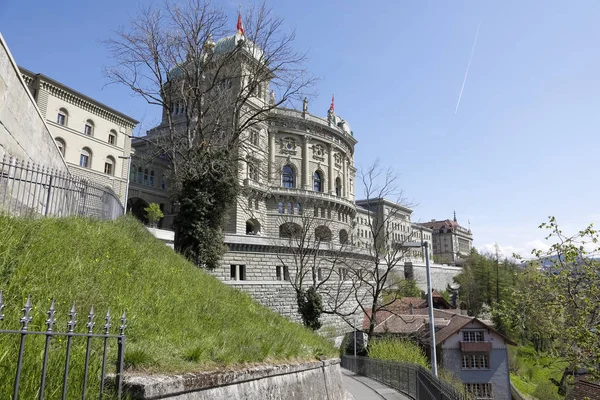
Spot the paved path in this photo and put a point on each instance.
(363, 388)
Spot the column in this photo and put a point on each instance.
(346, 180)
(272, 169)
(305, 159)
(330, 180)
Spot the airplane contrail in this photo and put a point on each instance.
(467, 71)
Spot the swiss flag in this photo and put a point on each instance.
(240, 25)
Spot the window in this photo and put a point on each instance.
(280, 207)
(338, 186)
(298, 209)
(254, 137)
(282, 273)
(62, 116)
(60, 143)
(318, 181)
(112, 137)
(343, 273)
(146, 176)
(290, 209)
(343, 236)
(481, 391)
(287, 177)
(163, 181)
(140, 174)
(290, 230)
(322, 233)
(237, 272)
(133, 174)
(475, 361)
(151, 178)
(88, 128)
(85, 158)
(253, 171)
(320, 274)
(109, 166)
(472, 336)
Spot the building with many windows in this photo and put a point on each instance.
(451, 241)
(94, 139)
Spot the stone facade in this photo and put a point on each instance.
(451, 242)
(93, 139)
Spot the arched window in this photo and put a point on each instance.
(85, 158)
(338, 186)
(318, 181)
(109, 165)
(88, 128)
(62, 146)
(289, 230)
(63, 117)
(288, 177)
(133, 174)
(146, 176)
(140, 174)
(322, 233)
(252, 227)
(163, 181)
(151, 183)
(290, 208)
(112, 137)
(280, 207)
(298, 209)
(343, 236)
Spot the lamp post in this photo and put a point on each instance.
(127, 184)
(425, 245)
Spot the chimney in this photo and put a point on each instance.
(411, 309)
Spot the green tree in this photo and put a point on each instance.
(153, 213)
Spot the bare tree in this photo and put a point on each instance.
(212, 93)
(386, 244)
(313, 261)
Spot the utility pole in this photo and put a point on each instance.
(497, 274)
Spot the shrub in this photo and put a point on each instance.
(153, 213)
(395, 349)
(546, 391)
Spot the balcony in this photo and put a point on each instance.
(311, 194)
(476, 347)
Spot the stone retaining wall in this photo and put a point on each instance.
(320, 380)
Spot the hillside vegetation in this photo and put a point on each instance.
(180, 319)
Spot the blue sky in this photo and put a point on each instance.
(522, 146)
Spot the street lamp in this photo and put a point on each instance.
(425, 245)
(127, 184)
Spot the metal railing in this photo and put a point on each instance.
(410, 379)
(28, 188)
(50, 344)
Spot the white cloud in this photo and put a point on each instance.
(504, 251)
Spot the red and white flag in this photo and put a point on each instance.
(332, 106)
(240, 25)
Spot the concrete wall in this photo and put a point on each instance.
(311, 380)
(23, 132)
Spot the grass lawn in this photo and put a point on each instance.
(535, 370)
(180, 319)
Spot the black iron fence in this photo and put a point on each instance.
(410, 379)
(96, 347)
(28, 188)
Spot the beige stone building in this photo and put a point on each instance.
(94, 139)
(451, 241)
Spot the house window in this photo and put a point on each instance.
(287, 177)
(298, 209)
(254, 137)
(109, 166)
(338, 187)
(472, 336)
(112, 138)
(60, 143)
(475, 361)
(62, 116)
(146, 176)
(318, 181)
(85, 158)
(481, 391)
(280, 207)
(140, 175)
(237, 272)
(151, 178)
(290, 208)
(282, 273)
(253, 171)
(133, 174)
(88, 128)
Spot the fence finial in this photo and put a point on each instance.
(26, 318)
(123, 323)
(91, 323)
(51, 320)
(71, 324)
(1, 301)
(107, 324)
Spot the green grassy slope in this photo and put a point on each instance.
(179, 318)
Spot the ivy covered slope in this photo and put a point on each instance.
(179, 318)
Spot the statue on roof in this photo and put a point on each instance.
(305, 106)
(272, 98)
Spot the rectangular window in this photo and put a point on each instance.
(83, 160)
(87, 129)
(282, 273)
(237, 272)
(475, 361)
(111, 139)
(108, 168)
(320, 274)
(473, 336)
(481, 391)
(60, 119)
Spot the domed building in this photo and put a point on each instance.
(296, 219)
